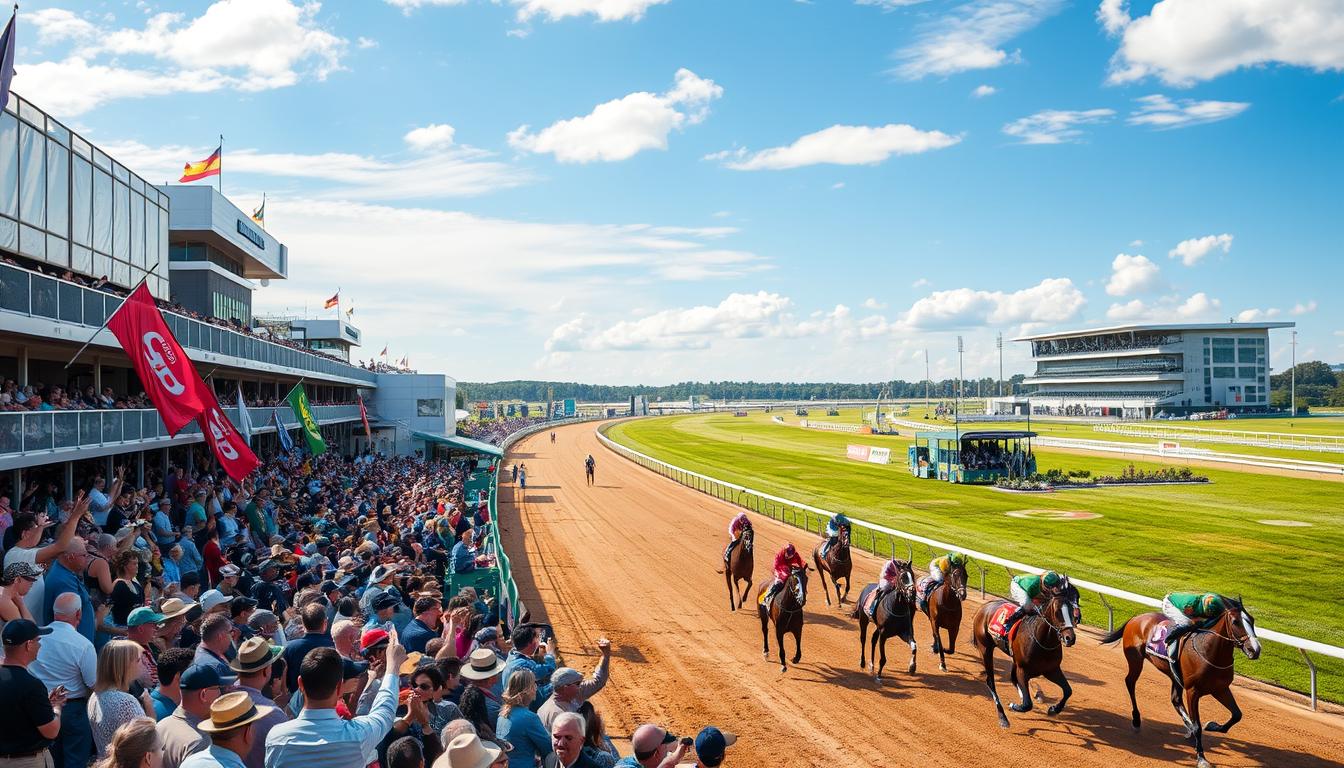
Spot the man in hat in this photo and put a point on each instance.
(569, 690)
(235, 729)
(254, 663)
(176, 613)
(710, 746)
(267, 625)
(142, 626)
(380, 582)
(178, 732)
(29, 717)
(482, 671)
(655, 747)
(384, 606)
(228, 580)
(214, 601)
(268, 592)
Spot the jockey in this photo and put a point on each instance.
(1189, 611)
(738, 525)
(785, 561)
(939, 566)
(1027, 591)
(888, 581)
(833, 528)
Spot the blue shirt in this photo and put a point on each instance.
(319, 737)
(213, 757)
(228, 530)
(542, 671)
(163, 528)
(58, 581)
(524, 730)
(417, 635)
(163, 706)
(171, 572)
(463, 559)
(297, 649)
(192, 561)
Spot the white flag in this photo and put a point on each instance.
(244, 418)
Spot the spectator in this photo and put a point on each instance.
(214, 601)
(468, 751)
(345, 638)
(596, 746)
(654, 747)
(518, 725)
(29, 715)
(142, 626)
(15, 584)
(233, 730)
(456, 728)
(482, 673)
(167, 695)
(67, 575)
(406, 752)
(28, 528)
(66, 660)
(474, 711)
(136, 744)
(172, 565)
(200, 686)
(256, 658)
(112, 705)
(425, 626)
(317, 736)
(215, 640)
(126, 590)
(315, 635)
(463, 556)
(567, 741)
(533, 655)
(710, 746)
(569, 689)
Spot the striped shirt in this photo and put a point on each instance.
(319, 737)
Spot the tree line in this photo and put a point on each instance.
(1317, 385)
(535, 391)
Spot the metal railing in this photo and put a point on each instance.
(36, 432)
(791, 512)
(1287, 440)
(36, 295)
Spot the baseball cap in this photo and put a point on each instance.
(711, 743)
(213, 598)
(328, 586)
(487, 634)
(144, 615)
(566, 676)
(20, 631)
(200, 676)
(371, 638)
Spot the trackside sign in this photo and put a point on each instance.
(869, 454)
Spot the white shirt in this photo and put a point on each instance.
(67, 658)
(34, 597)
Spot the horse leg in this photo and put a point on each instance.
(765, 632)
(779, 641)
(821, 574)
(1135, 658)
(798, 642)
(1192, 707)
(882, 644)
(1023, 685)
(838, 599)
(1225, 697)
(1056, 676)
(745, 590)
(987, 658)
(863, 638)
(910, 638)
(732, 588)
(1176, 702)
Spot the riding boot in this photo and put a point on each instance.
(1174, 636)
(877, 600)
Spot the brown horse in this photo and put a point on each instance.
(1205, 666)
(739, 568)
(943, 608)
(1037, 648)
(837, 563)
(895, 616)
(786, 611)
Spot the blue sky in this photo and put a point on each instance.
(631, 191)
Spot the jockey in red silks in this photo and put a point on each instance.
(786, 560)
(888, 581)
(735, 529)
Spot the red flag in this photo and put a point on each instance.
(229, 447)
(364, 414)
(333, 301)
(168, 376)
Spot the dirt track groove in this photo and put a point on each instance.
(634, 558)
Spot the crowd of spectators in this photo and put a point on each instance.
(43, 397)
(379, 367)
(494, 431)
(1104, 342)
(295, 619)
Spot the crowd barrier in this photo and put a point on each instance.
(867, 536)
(1286, 440)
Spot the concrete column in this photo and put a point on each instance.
(109, 471)
(139, 469)
(69, 479)
(23, 365)
(98, 374)
(164, 461)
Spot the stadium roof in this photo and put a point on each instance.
(979, 434)
(459, 442)
(1167, 327)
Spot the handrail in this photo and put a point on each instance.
(1302, 644)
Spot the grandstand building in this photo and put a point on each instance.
(78, 230)
(1140, 371)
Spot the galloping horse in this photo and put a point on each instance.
(895, 616)
(1037, 648)
(837, 563)
(944, 611)
(786, 611)
(739, 568)
(1205, 665)
(589, 470)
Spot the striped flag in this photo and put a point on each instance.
(7, 46)
(333, 301)
(281, 431)
(259, 215)
(210, 166)
(244, 418)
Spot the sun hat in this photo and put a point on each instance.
(412, 661)
(144, 615)
(566, 676)
(254, 655)
(468, 751)
(380, 574)
(711, 743)
(482, 665)
(385, 600)
(233, 710)
(174, 607)
(212, 599)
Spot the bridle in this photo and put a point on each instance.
(956, 581)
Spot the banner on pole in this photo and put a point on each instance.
(298, 401)
(169, 379)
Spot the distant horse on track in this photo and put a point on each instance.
(837, 563)
(944, 611)
(1037, 647)
(895, 616)
(786, 611)
(1205, 666)
(739, 567)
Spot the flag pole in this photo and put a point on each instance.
(220, 175)
(111, 315)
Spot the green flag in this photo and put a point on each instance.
(298, 400)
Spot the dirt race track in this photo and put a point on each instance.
(634, 558)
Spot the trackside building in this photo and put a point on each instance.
(1139, 371)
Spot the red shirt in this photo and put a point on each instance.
(214, 560)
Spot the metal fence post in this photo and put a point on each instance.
(982, 580)
(1110, 613)
(1312, 667)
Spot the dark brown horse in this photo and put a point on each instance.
(944, 611)
(786, 611)
(837, 563)
(1205, 666)
(895, 616)
(739, 567)
(1037, 648)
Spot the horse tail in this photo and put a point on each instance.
(1116, 634)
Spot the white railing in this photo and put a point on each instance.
(768, 504)
(1289, 440)
(826, 426)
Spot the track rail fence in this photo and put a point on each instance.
(884, 542)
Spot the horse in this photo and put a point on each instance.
(1037, 648)
(895, 616)
(1205, 666)
(589, 467)
(943, 608)
(786, 611)
(837, 563)
(739, 567)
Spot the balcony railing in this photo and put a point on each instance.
(24, 433)
(37, 295)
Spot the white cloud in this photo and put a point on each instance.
(1135, 243)
(740, 315)
(838, 185)
(842, 145)
(1198, 306)
(1161, 112)
(981, 91)
(604, 10)
(1253, 315)
(970, 37)
(1132, 274)
(432, 136)
(921, 283)
(247, 45)
(1192, 250)
(888, 6)
(874, 304)
(620, 129)
(408, 6)
(366, 43)
(1304, 309)
(1113, 15)
(1055, 126)
(1183, 42)
(1130, 310)
(55, 25)
(1052, 300)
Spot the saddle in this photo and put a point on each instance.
(996, 622)
(1158, 646)
(868, 600)
(923, 588)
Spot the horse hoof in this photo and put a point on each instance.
(1019, 708)
(1003, 721)
(796, 659)
(911, 670)
(1213, 727)
(942, 667)
(1054, 709)
(1203, 763)
(783, 668)
(877, 679)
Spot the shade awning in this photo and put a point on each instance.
(462, 443)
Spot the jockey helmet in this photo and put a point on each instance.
(1051, 580)
(1211, 604)
(789, 550)
(956, 558)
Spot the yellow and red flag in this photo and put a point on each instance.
(210, 166)
(333, 301)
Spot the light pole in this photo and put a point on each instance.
(956, 416)
(1000, 343)
(926, 381)
(1292, 396)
